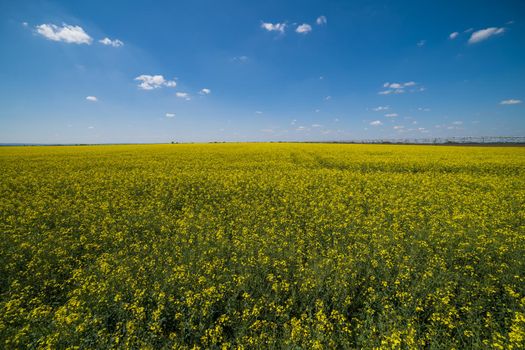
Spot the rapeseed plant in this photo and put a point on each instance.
(262, 246)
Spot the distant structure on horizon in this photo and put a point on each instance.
(446, 140)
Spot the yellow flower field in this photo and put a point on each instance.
(300, 246)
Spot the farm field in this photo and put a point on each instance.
(248, 246)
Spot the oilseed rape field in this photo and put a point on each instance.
(246, 246)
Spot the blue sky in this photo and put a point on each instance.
(161, 71)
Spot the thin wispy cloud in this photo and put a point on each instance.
(183, 95)
(510, 102)
(421, 43)
(399, 88)
(321, 20)
(304, 28)
(453, 35)
(391, 115)
(399, 85)
(65, 33)
(241, 59)
(108, 42)
(150, 82)
(381, 108)
(392, 91)
(274, 27)
(484, 34)
(393, 85)
(376, 123)
(170, 115)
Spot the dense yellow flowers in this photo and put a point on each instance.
(242, 246)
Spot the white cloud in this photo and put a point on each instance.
(453, 36)
(108, 42)
(293, 122)
(391, 115)
(376, 123)
(393, 91)
(458, 122)
(423, 109)
(304, 28)
(328, 98)
(258, 112)
(321, 20)
(316, 125)
(484, 34)
(92, 98)
(271, 27)
(25, 24)
(91, 127)
(170, 115)
(205, 91)
(510, 102)
(150, 82)
(183, 95)
(399, 127)
(66, 33)
(381, 108)
(421, 43)
(398, 88)
(399, 85)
